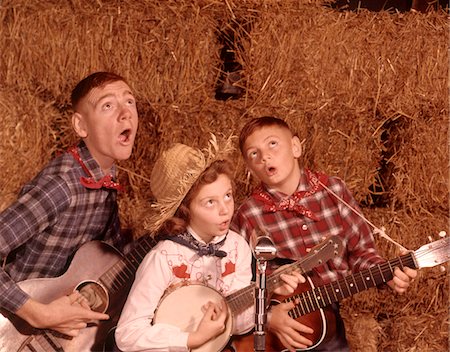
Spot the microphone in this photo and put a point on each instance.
(263, 249)
(262, 245)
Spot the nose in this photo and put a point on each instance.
(224, 208)
(265, 156)
(125, 112)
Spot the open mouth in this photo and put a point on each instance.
(125, 136)
(224, 224)
(271, 170)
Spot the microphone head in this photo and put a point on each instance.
(262, 245)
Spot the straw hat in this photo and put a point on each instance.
(174, 173)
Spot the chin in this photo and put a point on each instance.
(123, 155)
(222, 232)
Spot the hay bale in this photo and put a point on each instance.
(166, 48)
(28, 138)
(363, 333)
(400, 316)
(365, 91)
(339, 77)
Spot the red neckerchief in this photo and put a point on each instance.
(89, 182)
(291, 203)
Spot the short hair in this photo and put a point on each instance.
(94, 80)
(258, 123)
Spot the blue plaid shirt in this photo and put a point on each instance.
(53, 216)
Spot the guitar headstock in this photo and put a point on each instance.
(328, 249)
(434, 253)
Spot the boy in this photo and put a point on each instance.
(294, 205)
(70, 202)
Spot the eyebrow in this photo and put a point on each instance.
(264, 140)
(109, 95)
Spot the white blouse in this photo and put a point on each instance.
(169, 264)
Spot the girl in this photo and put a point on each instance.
(195, 205)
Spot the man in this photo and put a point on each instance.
(70, 202)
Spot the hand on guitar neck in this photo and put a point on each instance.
(402, 279)
(66, 315)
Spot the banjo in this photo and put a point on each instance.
(197, 294)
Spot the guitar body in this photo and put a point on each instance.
(322, 321)
(90, 262)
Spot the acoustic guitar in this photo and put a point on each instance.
(101, 274)
(311, 303)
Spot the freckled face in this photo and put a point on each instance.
(107, 120)
(271, 154)
(212, 208)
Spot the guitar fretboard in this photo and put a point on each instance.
(242, 299)
(322, 296)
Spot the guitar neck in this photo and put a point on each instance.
(244, 298)
(122, 272)
(322, 296)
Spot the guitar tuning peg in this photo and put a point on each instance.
(442, 234)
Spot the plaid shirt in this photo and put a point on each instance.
(53, 216)
(319, 215)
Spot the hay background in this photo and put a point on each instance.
(366, 91)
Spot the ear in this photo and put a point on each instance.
(297, 148)
(79, 125)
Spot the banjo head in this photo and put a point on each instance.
(182, 307)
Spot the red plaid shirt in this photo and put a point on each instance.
(311, 215)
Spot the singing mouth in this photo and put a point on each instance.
(224, 224)
(271, 171)
(125, 136)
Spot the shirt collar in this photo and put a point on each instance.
(306, 183)
(216, 239)
(89, 161)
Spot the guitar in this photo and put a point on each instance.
(187, 319)
(310, 301)
(101, 274)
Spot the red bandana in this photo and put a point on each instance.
(89, 182)
(291, 203)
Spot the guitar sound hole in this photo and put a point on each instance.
(95, 294)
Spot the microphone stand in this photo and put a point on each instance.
(264, 250)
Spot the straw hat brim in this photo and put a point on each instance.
(166, 205)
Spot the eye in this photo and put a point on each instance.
(273, 143)
(107, 106)
(229, 196)
(131, 101)
(209, 202)
(252, 154)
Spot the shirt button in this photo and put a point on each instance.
(304, 227)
